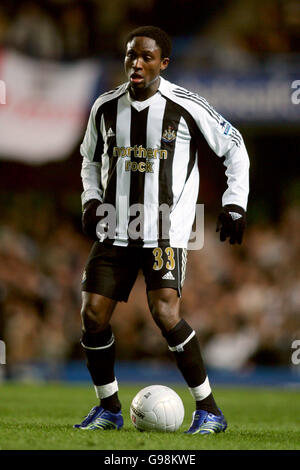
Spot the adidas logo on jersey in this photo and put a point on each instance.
(110, 133)
(169, 276)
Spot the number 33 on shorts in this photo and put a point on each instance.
(171, 262)
(159, 258)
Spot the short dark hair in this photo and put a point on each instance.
(161, 38)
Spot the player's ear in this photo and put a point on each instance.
(164, 63)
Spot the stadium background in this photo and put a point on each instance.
(244, 302)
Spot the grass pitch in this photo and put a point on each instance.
(40, 417)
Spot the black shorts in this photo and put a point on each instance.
(112, 270)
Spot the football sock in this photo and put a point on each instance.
(208, 404)
(111, 403)
(182, 341)
(100, 354)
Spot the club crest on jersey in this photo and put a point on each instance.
(169, 135)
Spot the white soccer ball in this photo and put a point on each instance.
(157, 408)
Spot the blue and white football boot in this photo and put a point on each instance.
(207, 423)
(99, 418)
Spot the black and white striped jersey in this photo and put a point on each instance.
(145, 152)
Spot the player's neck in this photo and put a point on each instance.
(145, 93)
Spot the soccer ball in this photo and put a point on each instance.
(157, 408)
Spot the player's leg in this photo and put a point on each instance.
(164, 305)
(108, 278)
(164, 292)
(99, 344)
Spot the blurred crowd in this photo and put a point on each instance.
(229, 34)
(72, 29)
(248, 35)
(243, 301)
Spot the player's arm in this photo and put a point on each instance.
(92, 194)
(226, 141)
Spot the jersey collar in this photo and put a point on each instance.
(163, 86)
(140, 105)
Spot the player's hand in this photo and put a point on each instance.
(231, 223)
(89, 218)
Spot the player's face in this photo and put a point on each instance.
(143, 64)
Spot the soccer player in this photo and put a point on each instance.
(140, 150)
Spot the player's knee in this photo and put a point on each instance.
(93, 318)
(165, 310)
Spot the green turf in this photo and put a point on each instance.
(41, 417)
